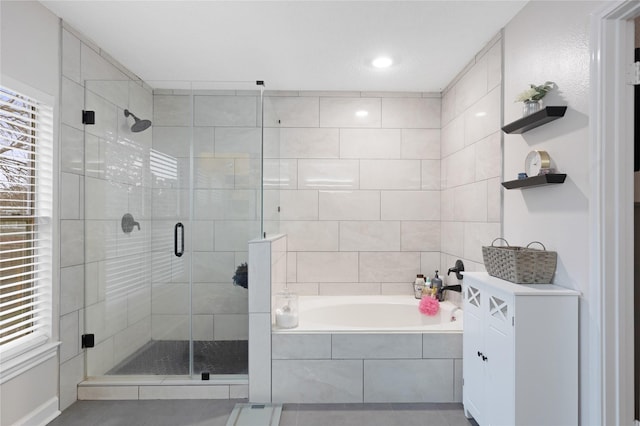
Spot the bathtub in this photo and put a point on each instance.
(371, 314)
(355, 349)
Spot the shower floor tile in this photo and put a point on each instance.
(171, 357)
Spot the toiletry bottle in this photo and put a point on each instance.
(436, 283)
(427, 287)
(418, 286)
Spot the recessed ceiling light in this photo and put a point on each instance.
(382, 62)
(362, 113)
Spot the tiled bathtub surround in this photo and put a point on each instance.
(359, 193)
(351, 368)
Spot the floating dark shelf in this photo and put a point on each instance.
(535, 181)
(536, 119)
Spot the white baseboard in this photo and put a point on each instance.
(41, 415)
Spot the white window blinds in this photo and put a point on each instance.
(26, 191)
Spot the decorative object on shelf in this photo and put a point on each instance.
(532, 97)
(241, 277)
(536, 161)
(538, 171)
(529, 107)
(534, 120)
(521, 265)
(530, 182)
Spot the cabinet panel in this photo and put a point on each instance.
(472, 364)
(499, 365)
(520, 352)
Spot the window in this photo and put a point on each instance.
(26, 190)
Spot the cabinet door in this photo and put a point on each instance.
(499, 365)
(472, 364)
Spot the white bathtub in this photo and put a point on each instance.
(371, 314)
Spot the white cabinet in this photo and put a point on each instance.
(520, 352)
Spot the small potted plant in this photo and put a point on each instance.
(241, 277)
(532, 97)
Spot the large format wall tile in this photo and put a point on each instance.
(311, 235)
(440, 345)
(334, 267)
(408, 380)
(225, 111)
(372, 346)
(369, 236)
(423, 113)
(291, 111)
(349, 205)
(316, 381)
(370, 143)
(328, 174)
(389, 266)
(390, 174)
(350, 112)
(301, 346)
(421, 144)
(410, 205)
(172, 110)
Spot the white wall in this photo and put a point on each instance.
(29, 49)
(550, 41)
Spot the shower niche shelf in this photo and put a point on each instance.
(536, 119)
(540, 180)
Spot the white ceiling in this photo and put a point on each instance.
(292, 45)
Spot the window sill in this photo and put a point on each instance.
(26, 360)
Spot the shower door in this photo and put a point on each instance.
(169, 210)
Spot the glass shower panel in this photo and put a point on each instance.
(226, 215)
(117, 218)
(171, 167)
(279, 174)
(173, 194)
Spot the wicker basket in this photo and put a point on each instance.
(521, 265)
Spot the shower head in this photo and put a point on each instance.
(139, 125)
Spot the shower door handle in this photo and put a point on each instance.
(179, 226)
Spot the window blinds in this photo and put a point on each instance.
(26, 200)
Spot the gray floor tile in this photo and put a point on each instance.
(216, 413)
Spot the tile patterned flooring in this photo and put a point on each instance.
(216, 413)
(171, 357)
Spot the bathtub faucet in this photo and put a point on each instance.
(441, 290)
(457, 268)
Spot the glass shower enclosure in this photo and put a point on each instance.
(173, 193)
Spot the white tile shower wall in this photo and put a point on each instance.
(471, 161)
(363, 204)
(101, 272)
(226, 167)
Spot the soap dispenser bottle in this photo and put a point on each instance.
(436, 283)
